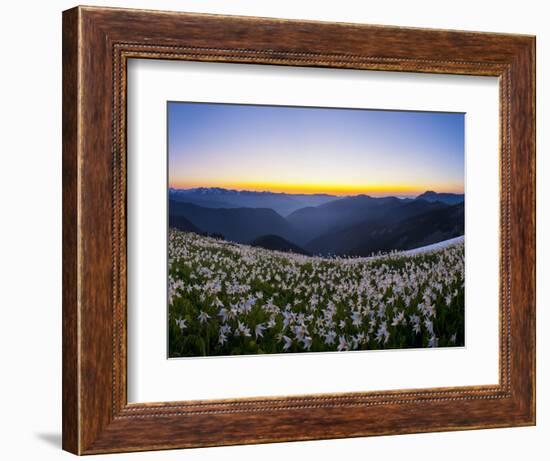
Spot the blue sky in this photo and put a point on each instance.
(313, 150)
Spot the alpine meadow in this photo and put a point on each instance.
(307, 229)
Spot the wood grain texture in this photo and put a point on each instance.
(97, 43)
(70, 384)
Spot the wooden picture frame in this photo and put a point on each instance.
(97, 43)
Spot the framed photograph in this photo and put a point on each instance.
(288, 254)
(280, 230)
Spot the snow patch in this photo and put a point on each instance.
(433, 246)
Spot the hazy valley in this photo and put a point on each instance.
(318, 224)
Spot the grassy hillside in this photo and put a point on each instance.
(226, 299)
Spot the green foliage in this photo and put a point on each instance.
(238, 288)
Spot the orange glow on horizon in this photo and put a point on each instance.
(329, 188)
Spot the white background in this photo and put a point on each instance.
(153, 378)
(30, 243)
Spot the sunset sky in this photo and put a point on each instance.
(314, 150)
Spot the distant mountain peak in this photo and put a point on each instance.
(444, 197)
(431, 192)
(219, 197)
(222, 190)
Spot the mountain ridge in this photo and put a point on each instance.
(445, 197)
(281, 202)
(239, 224)
(277, 243)
(356, 224)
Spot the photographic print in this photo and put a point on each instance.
(313, 229)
